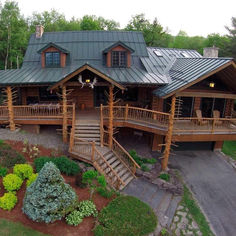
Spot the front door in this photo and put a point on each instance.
(100, 95)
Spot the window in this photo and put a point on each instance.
(158, 53)
(52, 59)
(119, 59)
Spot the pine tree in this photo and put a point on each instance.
(49, 198)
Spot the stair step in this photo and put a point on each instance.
(125, 175)
(122, 171)
(119, 168)
(115, 163)
(87, 131)
(109, 161)
(127, 182)
(108, 155)
(82, 143)
(87, 126)
(82, 135)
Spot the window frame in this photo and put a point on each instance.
(121, 62)
(53, 64)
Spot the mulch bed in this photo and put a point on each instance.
(58, 228)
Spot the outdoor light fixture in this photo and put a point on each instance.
(87, 80)
(212, 85)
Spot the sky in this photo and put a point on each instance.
(201, 17)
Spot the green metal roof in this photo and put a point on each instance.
(51, 44)
(119, 43)
(186, 70)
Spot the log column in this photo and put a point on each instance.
(110, 121)
(169, 135)
(10, 109)
(64, 111)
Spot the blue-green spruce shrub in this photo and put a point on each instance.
(49, 198)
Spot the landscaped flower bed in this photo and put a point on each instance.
(69, 209)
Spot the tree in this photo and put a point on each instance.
(153, 32)
(13, 36)
(232, 37)
(97, 23)
(49, 198)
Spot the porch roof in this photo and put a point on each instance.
(185, 72)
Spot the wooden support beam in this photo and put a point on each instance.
(10, 109)
(157, 142)
(64, 110)
(101, 125)
(110, 119)
(168, 138)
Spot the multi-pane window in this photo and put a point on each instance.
(52, 59)
(119, 59)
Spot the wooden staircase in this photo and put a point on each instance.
(88, 143)
(88, 130)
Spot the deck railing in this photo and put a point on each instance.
(4, 112)
(128, 113)
(36, 111)
(204, 125)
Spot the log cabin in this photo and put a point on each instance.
(90, 82)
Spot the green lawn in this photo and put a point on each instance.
(229, 148)
(196, 212)
(9, 228)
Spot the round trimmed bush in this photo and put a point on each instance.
(126, 216)
(24, 171)
(12, 182)
(49, 198)
(8, 201)
(31, 179)
(74, 218)
(87, 208)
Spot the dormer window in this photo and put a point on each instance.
(119, 59)
(52, 59)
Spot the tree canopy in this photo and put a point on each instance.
(15, 31)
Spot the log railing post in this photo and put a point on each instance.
(72, 133)
(110, 115)
(126, 111)
(10, 109)
(93, 152)
(101, 125)
(64, 113)
(169, 135)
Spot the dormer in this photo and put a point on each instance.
(118, 55)
(53, 55)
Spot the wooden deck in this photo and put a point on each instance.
(124, 116)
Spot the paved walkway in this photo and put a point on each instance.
(163, 204)
(213, 182)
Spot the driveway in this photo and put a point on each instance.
(213, 182)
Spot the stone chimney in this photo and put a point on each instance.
(39, 31)
(210, 52)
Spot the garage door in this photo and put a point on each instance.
(193, 146)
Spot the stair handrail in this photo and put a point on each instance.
(135, 164)
(72, 133)
(113, 171)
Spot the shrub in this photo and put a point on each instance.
(12, 182)
(9, 157)
(31, 179)
(89, 176)
(3, 171)
(104, 192)
(87, 208)
(64, 164)
(8, 201)
(126, 215)
(49, 198)
(79, 180)
(74, 218)
(23, 170)
(164, 176)
(141, 160)
(144, 168)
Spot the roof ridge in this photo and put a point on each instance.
(217, 58)
(179, 49)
